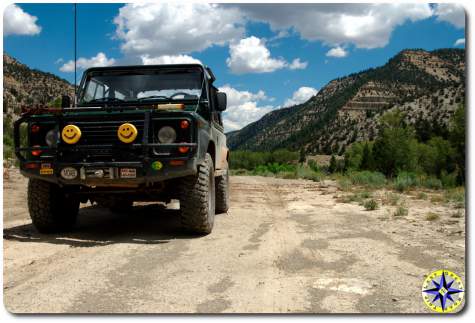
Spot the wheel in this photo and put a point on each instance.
(121, 206)
(197, 199)
(51, 209)
(222, 193)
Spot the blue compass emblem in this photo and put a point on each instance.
(443, 291)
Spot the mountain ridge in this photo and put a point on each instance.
(23, 86)
(352, 99)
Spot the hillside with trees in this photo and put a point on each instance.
(427, 87)
(23, 87)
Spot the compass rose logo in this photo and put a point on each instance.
(442, 291)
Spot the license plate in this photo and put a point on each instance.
(46, 171)
(128, 173)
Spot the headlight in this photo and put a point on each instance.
(166, 135)
(51, 138)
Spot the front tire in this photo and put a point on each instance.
(197, 201)
(51, 209)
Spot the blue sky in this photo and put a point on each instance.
(264, 57)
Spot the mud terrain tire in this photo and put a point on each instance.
(222, 193)
(197, 199)
(51, 209)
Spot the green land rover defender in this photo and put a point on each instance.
(136, 133)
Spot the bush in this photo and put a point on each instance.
(308, 173)
(313, 165)
(430, 216)
(391, 198)
(344, 183)
(370, 205)
(367, 178)
(448, 180)
(456, 196)
(405, 180)
(250, 159)
(432, 183)
(401, 211)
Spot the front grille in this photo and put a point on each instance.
(96, 134)
(105, 132)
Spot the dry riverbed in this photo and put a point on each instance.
(285, 246)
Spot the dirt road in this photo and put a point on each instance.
(285, 246)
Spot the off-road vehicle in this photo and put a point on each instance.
(136, 133)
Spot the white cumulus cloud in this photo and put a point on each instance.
(82, 63)
(169, 59)
(460, 42)
(364, 25)
(297, 64)
(243, 107)
(337, 52)
(250, 55)
(18, 22)
(452, 13)
(157, 29)
(303, 94)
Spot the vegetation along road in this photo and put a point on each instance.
(286, 245)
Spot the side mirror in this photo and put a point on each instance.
(222, 101)
(65, 101)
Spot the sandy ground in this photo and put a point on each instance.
(284, 246)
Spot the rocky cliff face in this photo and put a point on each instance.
(427, 86)
(23, 86)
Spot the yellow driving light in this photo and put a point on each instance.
(127, 133)
(71, 134)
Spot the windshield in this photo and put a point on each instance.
(164, 84)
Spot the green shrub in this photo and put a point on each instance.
(391, 198)
(456, 196)
(405, 180)
(448, 180)
(367, 178)
(344, 183)
(421, 196)
(308, 173)
(401, 211)
(313, 165)
(432, 183)
(251, 159)
(370, 205)
(431, 216)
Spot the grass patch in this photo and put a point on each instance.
(370, 205)
(437, 198)
(401, 211)
(309, 173)
(456, 196)
(421, 196)
(344, 184)
(367, 178)
(405, 181)
(431, 216)
(391, 198)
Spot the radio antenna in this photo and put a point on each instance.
(75, 54)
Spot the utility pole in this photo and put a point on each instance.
(75, 54)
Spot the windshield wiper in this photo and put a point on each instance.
(153, 97)
(105, 100)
